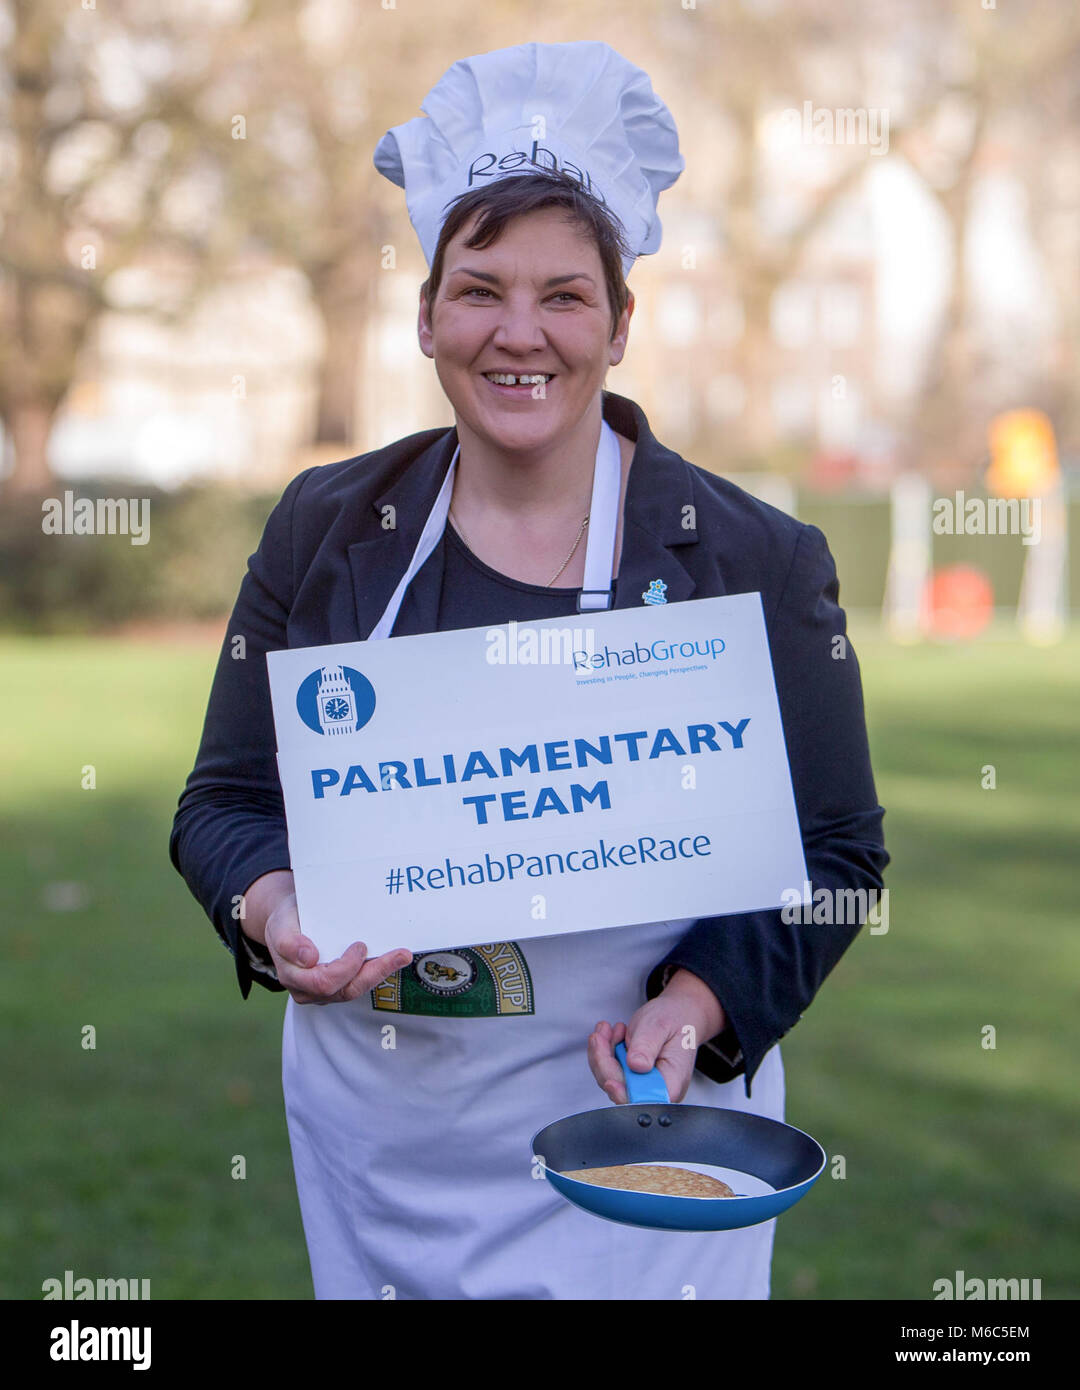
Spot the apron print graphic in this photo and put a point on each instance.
(466, 982)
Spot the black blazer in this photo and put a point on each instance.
(324, 571)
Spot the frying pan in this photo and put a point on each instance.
(769, 1165)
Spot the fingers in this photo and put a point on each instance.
(321, 979)
(653, 1045)
(603, 1063)
(343, 980)
(373, 972)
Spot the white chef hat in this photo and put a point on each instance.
(579, 107)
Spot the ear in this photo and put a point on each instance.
(622, 332)
(423, 328)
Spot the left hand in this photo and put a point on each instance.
(665, 1032)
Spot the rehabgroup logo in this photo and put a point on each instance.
(335, 700)
(659, 651)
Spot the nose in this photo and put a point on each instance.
(518, 329)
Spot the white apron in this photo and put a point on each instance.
(411, 1130)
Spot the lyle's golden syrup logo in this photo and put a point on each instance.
(444, 972)
(465, 982)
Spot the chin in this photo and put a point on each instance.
(518, 441)
(505, 431)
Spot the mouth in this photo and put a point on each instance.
(523, 384)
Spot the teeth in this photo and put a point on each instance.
(506, 379)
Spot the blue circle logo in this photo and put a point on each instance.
(335, 700)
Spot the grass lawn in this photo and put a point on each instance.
(116, 1160)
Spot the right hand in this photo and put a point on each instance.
(310, 981)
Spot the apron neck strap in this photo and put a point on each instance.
(595, 593)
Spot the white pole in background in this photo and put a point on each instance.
(909, 558)
(1040, 610)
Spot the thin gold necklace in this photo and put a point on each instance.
(577, 542)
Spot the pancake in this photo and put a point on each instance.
(653, 1177)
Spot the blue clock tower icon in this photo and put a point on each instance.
(335, 702)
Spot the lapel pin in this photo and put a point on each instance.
(655, 592)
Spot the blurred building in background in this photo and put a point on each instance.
(871, 254)
(231, 391)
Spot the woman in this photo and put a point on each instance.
(413, 1091)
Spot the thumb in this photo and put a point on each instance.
(644, 1043)
(290, 943)
(644, 1051)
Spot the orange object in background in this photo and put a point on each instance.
(959, 601)
(831, 471)
(1023, 454)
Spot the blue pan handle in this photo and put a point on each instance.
(642, 1087)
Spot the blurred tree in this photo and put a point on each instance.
(1013, 90)
(311, 89)
(952, 76)
(752, 62)
(92, 140)
(134, 130)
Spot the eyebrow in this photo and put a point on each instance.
(548, 284)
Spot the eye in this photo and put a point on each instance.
(566, 294)
(477, 289)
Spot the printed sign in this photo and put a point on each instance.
(493, 784)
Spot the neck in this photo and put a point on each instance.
(554, 478)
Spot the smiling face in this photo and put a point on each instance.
(532, 303)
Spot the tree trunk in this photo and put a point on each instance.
(344, 299)
(29, 425)
(336, 419)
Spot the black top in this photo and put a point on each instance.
(475, 595)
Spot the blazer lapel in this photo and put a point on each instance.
(378, 564)
(646, 559)
(660, 521)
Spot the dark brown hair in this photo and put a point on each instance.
(506, 198)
